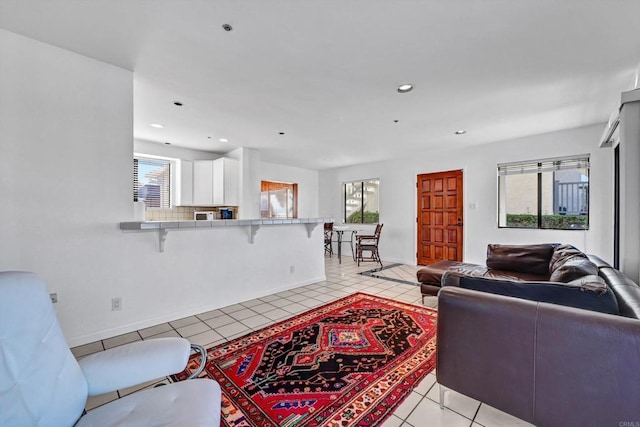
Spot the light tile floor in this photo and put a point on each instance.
(421, 407)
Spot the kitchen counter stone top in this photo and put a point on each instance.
(167, 225)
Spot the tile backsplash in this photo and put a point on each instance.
(182, 213)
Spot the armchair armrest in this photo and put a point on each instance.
(134, 363)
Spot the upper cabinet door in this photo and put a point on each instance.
(203, 183)
(226, 181)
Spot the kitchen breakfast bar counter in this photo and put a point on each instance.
(252, 226)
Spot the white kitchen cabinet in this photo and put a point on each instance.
(203, 183)
(226, 181)
(184, 183)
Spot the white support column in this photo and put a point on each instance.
(630, 185)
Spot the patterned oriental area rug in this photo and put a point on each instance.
(347, 363)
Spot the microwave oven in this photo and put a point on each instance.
(204, 215)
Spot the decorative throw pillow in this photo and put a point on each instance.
(561, 254)
(573, 267)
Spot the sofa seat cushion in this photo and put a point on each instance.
(528, 259)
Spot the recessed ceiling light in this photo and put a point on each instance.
(167, 143)
(281, 133)
(396, 121)
(460, 132)
(208, 137)
(223, 140)
(227, 27)
(156, 125)
(404, 88)
(178, 103)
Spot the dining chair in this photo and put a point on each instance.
(328, 238)
(42, 383)
(368, 243)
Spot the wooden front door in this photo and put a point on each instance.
(439, 217)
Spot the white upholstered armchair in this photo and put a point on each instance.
(42, 384)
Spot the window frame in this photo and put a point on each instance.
(171, 162)
(362, 211)
(539, 167)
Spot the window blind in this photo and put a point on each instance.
(544, 165)
(152, 182)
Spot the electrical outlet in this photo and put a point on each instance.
(116, 303)
(54, 297)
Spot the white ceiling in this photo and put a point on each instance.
(325, 72)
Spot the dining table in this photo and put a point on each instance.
(340, 230)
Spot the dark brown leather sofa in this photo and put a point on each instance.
(548, 364)
(543, 272)
(510, 262)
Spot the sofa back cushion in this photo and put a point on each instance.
(533, 259)
(568, 263)
(561, 253)
(590, 293)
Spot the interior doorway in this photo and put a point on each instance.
(278, 199)
(439, 217)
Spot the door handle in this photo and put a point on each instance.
(459, 224)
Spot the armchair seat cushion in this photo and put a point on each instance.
(186, 403)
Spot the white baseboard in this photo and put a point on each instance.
(169, 317)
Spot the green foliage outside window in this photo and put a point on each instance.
(369, 217)
(561, 222)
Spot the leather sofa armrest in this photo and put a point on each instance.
(134, 363)
(451, 278)
(485, 348)
(544, 363)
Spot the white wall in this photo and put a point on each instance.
(398, 194)
(66, 143)
(306, 179)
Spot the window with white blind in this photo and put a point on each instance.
(546, 193)
(152, 182)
